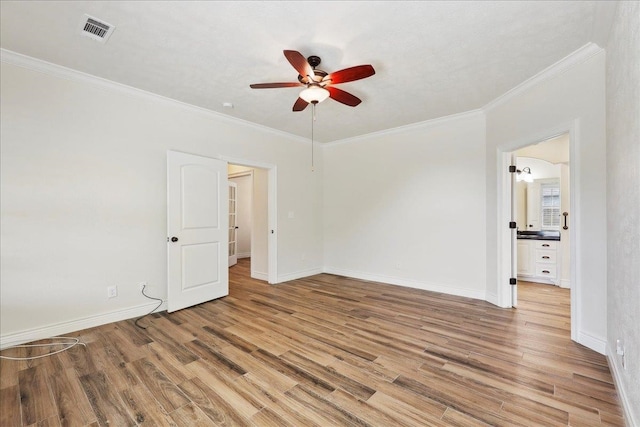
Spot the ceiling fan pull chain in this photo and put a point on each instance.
(313, 119)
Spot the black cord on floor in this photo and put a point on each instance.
(157, 307)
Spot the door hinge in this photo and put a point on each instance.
(512, 169)
(512, 224)
(513, 281)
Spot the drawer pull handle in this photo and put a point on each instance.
(545, 245)
(546, 271)
(545, 257)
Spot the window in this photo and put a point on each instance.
(550, 194)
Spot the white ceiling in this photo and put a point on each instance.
(432, 59)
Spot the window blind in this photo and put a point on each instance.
(550, 194)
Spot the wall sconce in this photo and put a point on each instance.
(524, 175)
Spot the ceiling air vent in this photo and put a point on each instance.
(96, 29)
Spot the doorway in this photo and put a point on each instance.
(256, 216)
(243, 183)
(551, 262)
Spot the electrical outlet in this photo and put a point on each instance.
(112, 291)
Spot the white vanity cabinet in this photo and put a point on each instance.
(525, 258)
(538, 260)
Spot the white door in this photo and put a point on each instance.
(233, 223)
(197, 223)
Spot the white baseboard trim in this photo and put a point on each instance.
(594, 343)
(565, 283)
(244, 255)
(259, 275)
(408, 283)
(617, 371)
(71, 326)
(298, 275)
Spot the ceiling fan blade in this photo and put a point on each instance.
(343, 97)
(300, 105)
(350, 74)
(299, 62)
(274, 85)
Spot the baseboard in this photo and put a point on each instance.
(425, 286)
(259, 275)
(565, 283)
(299, 274)
(594, 343)
(615, 366)
(77, 325)
(244, 255)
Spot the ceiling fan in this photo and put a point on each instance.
(318, 83)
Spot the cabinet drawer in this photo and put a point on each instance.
(543, 270)
(545, 256)
(546, 244)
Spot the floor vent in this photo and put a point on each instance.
(96, 29)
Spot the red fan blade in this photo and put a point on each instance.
(299, 62)
(274, 85)
(350, 74)
(300, 105)
(343, 97)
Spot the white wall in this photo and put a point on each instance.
(548, 107)
(83, 187)
(623, 202)
(408, 206)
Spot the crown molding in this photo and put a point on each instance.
(576, 57)
(413, 126)
(55, 70)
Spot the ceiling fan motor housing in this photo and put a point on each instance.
(318, 76)
(314, 61)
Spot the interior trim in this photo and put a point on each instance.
(24, 61)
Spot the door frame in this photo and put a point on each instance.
(272, 211)
(503, 248)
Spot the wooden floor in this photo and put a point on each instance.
(323, 351)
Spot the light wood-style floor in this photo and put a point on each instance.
(323, 351)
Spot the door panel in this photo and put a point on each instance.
(200, 206)
(197, 223)
(197, 268)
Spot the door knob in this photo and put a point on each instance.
(174, 239)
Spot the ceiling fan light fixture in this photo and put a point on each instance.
(314, 94)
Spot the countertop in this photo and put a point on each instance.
(539, 235)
